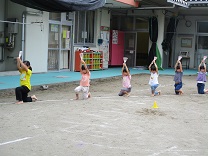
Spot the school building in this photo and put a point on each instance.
(119, 28)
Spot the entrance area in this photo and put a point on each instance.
(130, 48)
(142, 48)
(59, 55)
(136, 48)
(136, 38)
(59, 45)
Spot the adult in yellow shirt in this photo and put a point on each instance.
(25, 73)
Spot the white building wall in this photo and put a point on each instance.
(103, 20)
(36, 40)
(188, 32)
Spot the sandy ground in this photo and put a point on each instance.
(57, 125)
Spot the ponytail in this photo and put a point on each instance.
(30, 68)
(27, 64)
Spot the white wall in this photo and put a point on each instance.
(188, 32)
(36, 41)
(103, 20)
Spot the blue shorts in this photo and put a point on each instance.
(178, 86)
(200, 87)
(154, 87)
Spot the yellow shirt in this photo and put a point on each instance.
(25, 78)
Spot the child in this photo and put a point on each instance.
(22, 92)
(178, 78)
(84, 83)
(153, 82)
(201, 78)
(126, 81)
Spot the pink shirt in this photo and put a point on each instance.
(85, 81)
(127, 81)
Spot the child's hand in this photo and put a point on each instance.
(124, 64)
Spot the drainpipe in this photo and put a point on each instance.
(23, 35)
(23, 27)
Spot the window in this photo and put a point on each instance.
(127, 23)
(55, 16)
(202, 27)
(84, 27)
(203, 42)
(202, 30)
(141, 23)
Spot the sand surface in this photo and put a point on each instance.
(106, 124)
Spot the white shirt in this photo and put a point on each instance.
(153, 79)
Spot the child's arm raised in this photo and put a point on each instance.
(20, 63)
(85, 66)
(122, 69)
(200, 66)
(181, 67)
(127, 70)
(176, 65)
(80, 66)
(150, 65)
(155, 66)
(205, 67)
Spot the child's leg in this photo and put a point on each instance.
(89, 95)
(124, 91)
(34, 98)
(154, 92)
(200, 87)
(77, 90)
(178, 87)
(206, 91)
(121, 93)
(85, 92)
(176, 90)
(25, 92)
(18, 93)
(128, 91)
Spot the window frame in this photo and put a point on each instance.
(76, 32)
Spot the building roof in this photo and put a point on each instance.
(61, 5)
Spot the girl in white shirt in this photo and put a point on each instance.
(153, 82)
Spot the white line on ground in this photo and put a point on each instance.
(82, 143)
(6, 103)
(102, 97)
(164, 151)
(52, 100)
(9, 142)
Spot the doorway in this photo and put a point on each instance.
(142, 48)
(65, 47)
(130, 48)
(59, 47)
